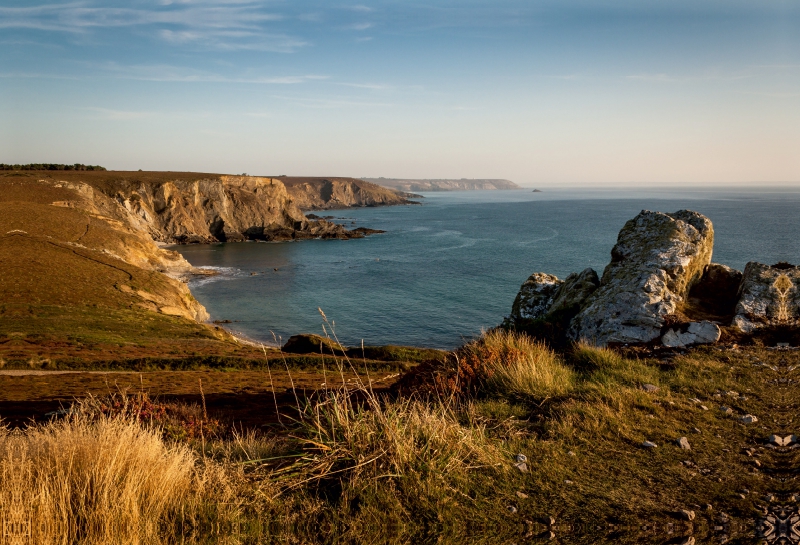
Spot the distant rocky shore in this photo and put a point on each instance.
(463, 184)
(661, 287)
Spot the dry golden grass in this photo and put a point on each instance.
(104, 480)
(528, 368)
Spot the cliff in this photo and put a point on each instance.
(463, 184)
(189, 207)
(333, 193)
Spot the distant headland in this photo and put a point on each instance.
(444, 184)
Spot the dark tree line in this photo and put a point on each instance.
(50, 166)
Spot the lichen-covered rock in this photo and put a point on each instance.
(573, 292)
(535, 297)
(769, 297)
(657, 259)
(704, 332)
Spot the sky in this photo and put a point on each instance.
(541, 92)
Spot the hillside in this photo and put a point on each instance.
(332, 193)
(463, 184)
(85, 280)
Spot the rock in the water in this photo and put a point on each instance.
(657, 259)
(535, 296)
(684, 443)
(696, 333)
(768, 297)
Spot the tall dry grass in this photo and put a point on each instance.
(101, 480)
(526, 367)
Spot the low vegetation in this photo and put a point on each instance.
(489, 445)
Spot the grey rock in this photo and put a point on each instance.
(686, 514)
(768, 297)
(704, 332)
(521, 495)
(522, 466)
(521, 458)
(748, 419)
(573, 292)
(657, 259)
(512, 509)
(650, 387)
(726, 410)
(649, 444)
(684, 443)
(535, 296)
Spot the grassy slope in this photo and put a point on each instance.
(61, 296)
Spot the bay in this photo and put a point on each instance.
(448, 268)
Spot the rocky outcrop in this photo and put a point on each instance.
(768, 298)
(657, 259)
(334, 193)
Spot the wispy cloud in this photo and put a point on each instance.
(218, 24)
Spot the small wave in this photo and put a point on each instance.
(222, 273)
(447, 233)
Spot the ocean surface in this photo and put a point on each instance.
(448, 268)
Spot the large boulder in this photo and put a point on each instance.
(769, 297)
(704, 332)
(657, 259)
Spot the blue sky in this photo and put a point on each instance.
(539, 92)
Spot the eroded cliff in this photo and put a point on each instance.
(334, 193)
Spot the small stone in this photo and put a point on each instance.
(521, 495)
(748, 419)
(512, 509)
(757, 463)
(549, 521)
(684, 443)
(781, 441)
(704, 407)
(697, 430)
(521, 458)
(649, 444)
(522, 466)
(650, 387)
(571, 453)
(567, 481)
(726, 410)
(686, 514)
(742, 496)
(709, 507)
(732, 393)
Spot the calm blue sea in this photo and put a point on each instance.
(452, 266)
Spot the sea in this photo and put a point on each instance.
(449, 268)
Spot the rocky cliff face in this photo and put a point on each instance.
(334, 193)
(224, 208)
